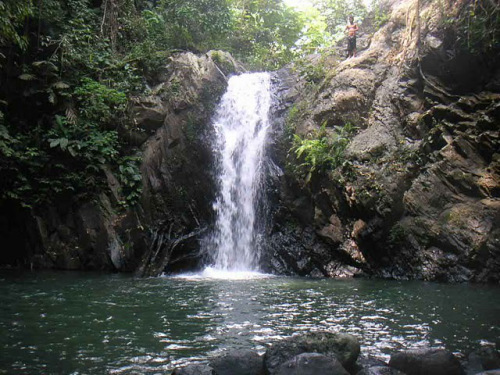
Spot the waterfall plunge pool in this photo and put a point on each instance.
(85, 323)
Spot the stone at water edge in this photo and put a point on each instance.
(194, 370)
(485, 358)
(341, 346)
(312, 364)
(490, 372)
(368, 365)
(238, 362)
(380, 370)
(429, 361)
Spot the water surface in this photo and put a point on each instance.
(84, 323)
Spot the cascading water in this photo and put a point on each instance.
(241, 125)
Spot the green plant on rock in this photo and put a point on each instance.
(397, 234)
(130, 179)
(224, 64)
(291, 121)
(324, 150)
(312, 71)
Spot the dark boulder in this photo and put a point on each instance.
(430, 361)
(238, 362)
(341, 346)
(312, 364)
(485, 358)
(194, 370)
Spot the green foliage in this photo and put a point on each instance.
(477, 26)
(196, 23)
(13, 14)
(337, 12)
(380, 14)
(98, 103)
(291, 121)
(397, 234)
(323, 151)
(312, 71)
(264, 33)
(315, 35)
(130, 179)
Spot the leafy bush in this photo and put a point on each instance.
(130, 179)
(99, 103)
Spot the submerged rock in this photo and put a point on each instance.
(238, 362)
(431, 361)
(380, 370)
(485, 358)
(373, 366)
(345, 348)
(194, 370)
(311, 364)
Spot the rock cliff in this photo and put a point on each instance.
(418, 193)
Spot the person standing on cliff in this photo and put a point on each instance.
(352, 29)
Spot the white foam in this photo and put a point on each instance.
(212, 273)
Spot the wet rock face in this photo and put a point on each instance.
(417, 195)
(172, 129)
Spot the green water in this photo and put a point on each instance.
(81, 323)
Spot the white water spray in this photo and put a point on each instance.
(241, 125)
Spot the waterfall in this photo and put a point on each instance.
(241, 124)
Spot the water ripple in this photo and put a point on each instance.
(95, 324)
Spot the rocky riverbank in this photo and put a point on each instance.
(324, 353)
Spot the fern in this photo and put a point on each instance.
(322, 151)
